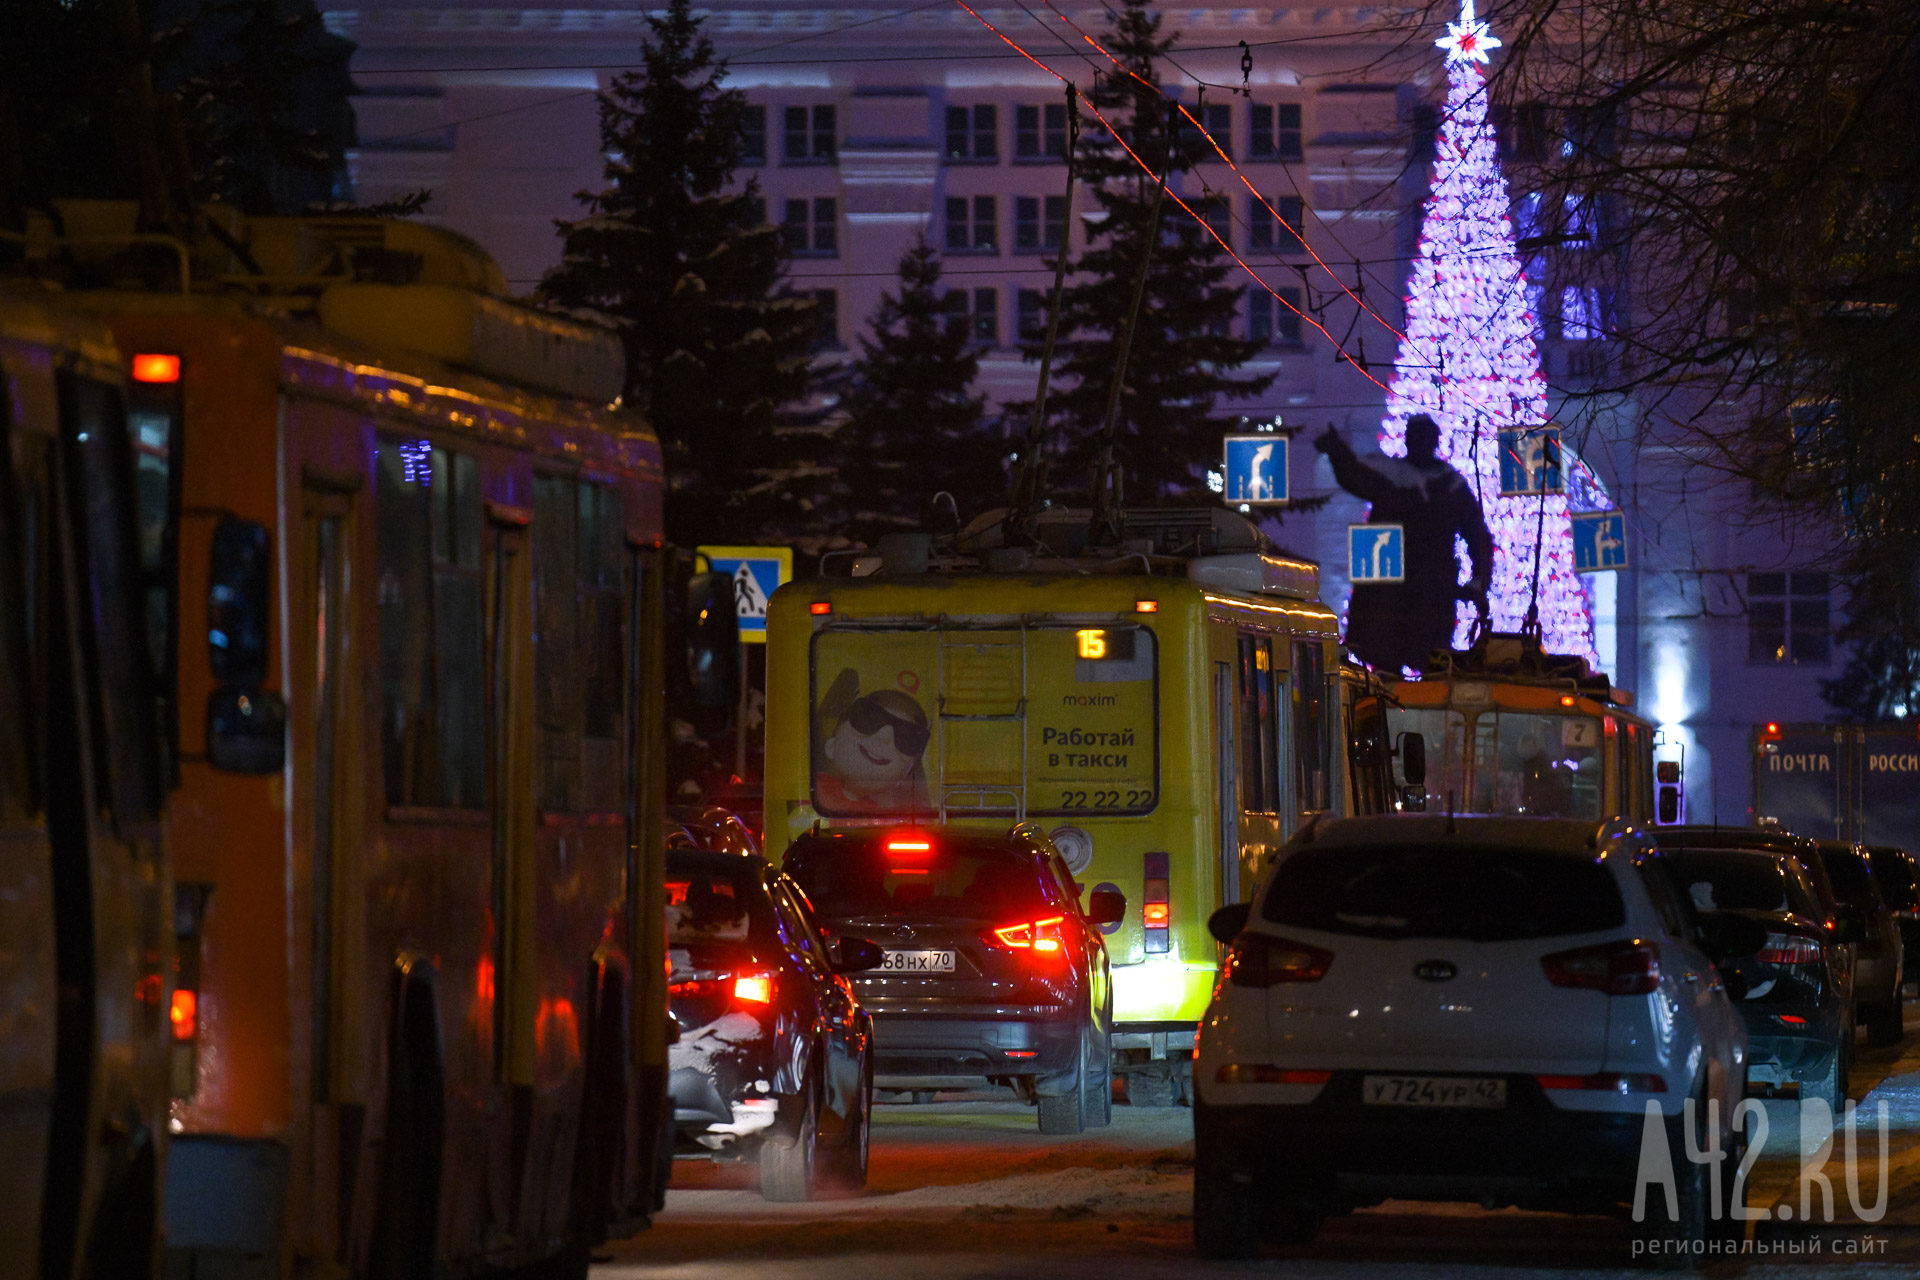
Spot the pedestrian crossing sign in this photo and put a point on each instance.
(757, 573)
(1599, 541)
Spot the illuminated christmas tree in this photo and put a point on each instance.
(1469, 357)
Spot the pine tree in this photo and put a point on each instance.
(1469, 358)
(691, 274)
(1183, 353)
(912, 427)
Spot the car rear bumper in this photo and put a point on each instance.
(1345, 1152)
(909, 1049)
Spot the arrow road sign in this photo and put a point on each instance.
(1375, 553)
(1530, 462)
(1256, 470)
(1599, 541)
(757, 573)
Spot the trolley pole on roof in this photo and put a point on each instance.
(1030, 470)
(1107, 480)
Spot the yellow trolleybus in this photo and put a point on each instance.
(1168, 715)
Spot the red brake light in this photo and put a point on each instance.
(909, 846)
(753, 988)
(185, 1014)
(1156, 915)
(1792, 1019)
(1616, 968)
(1043, 937)
(1257, 960)
(151, 366)
(820, 608)
(1787, 948)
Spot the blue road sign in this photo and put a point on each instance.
(1376, 553)
(1256, 470)
(1530, 462)
(1599, 541)
(757, 573)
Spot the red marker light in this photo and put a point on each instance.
(1155, 915)
(1566, 699)
(1146, 606)
(151, 366)
(185, 1014)
(820, 608)
(908, 846)
(754, 988)
(1021, 1053)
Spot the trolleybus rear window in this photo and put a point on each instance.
(1051, 720)
(1510, 761)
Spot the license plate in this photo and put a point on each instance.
(916, 962)
(1432, 1091)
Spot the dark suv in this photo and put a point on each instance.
(991, 969)
(1899, 877)
(1876, 979)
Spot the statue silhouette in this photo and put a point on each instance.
(1391, 625)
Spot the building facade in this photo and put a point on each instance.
(875, 125)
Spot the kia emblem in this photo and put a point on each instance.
(1435, 970)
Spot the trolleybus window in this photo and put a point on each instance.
(431, 643)
(1259, 728)
(1548, 765)
(1310, 737)
(19, 511)
(1049, 720)
(580, 653)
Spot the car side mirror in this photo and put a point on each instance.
(1229, 922)
(1849, 926)
(1729, 937)
(1107, 906)
(1412, 749)
(856, 955)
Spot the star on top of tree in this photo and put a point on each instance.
(1468, 40)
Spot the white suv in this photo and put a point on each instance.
(1425, 1007)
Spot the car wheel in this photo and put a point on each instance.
(1153, 1087)
(1670, 1244)
(1067, 1114)
(1828, 1085)
(1226, 1213)
(787, 1160)
(1885, 1025)
(1096, 1081)
(847, 1163)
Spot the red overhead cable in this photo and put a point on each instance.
(1298, 234)
(1148, 170)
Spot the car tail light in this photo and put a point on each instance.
(1042, 937)
(1617, 968)
(1791, 1019)
(1789, 948)
(1257, 960)
(1021, 1053)
(753, 988)
(1262, 1073)
(183, 1009)
(1605, 1082)
(1156, 924)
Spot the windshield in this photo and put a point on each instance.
(1729, 881)
(1040, 721)
(849, 876)
(1519, 762)
(1421, 891)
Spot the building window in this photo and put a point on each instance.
(811, 136)
(1274, 321)
(826, 318)
(1579, 221)
(433, 721)
(756, 211)
(1523, 129)
(811, 228)
(1788, 620)
(976, 313)
(1281, 236)
(1275, 132)
(973, 133)
(1214, 212)
(753, 135)
(1580, 317)
(971, 225)
(1031, 232)
(1219, 122)
(1040, 132)
(1030, 306)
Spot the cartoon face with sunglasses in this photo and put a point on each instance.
(871, 751)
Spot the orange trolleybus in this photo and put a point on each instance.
(84, 928)
(416, 701)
